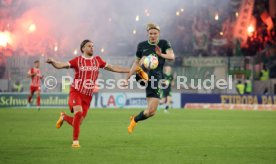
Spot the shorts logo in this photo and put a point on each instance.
(74, 101)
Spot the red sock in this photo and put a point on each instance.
(76, 125)
(68, 119)
(29, 99)
(38, 101)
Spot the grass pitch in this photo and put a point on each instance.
(182, 136)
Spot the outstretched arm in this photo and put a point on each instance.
(133, 68)
(116, 68)
(58, 64)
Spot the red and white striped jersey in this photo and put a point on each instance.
(86, 73)
(35, 79)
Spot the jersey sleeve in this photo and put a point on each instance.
(139, 51)
(102, 63)
(167, 45)
(73, 63)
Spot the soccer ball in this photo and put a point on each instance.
(151, 62)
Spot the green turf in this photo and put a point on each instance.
(182, 136)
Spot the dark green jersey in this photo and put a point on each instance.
(145, 48)
(168, 78)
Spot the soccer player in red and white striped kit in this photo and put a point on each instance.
(86, 67)
(35, 75)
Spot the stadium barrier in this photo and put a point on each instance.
(21, 100)
(138, 100)
(129, 100)
(228, 102)
(104, 100)
(215, 106)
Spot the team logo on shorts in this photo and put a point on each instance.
(74, 101)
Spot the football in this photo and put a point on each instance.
(151, 62)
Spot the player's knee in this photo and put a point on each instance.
(77, 109)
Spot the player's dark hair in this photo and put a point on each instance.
(36, 61)
(83, 44)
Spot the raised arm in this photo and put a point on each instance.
(58, 64)
(116, 68)
(169, 55)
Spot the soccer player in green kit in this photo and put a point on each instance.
(161, 49)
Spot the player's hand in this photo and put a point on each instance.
(158, 51)
(124, 83)
(50, 61)
(33, 74)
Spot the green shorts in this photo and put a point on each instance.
(152, 90)
(166, 92)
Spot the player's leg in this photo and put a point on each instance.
(30, 96)
(64, 117)
(143, 115)
(74, 99)
(153, 98)
(78, 116)
(152, 107)
(38, 98)
(168, 102)
(67, 118)
(80, 113)
(162, 100)
(166, 95)
(86, 105)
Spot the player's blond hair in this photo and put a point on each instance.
(153, 26)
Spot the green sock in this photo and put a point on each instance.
(140, 117)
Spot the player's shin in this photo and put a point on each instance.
(38, 101)
(29, 99)
(76, 125)
(141, 116)
(68, 119)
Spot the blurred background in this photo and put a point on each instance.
(214, 37)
